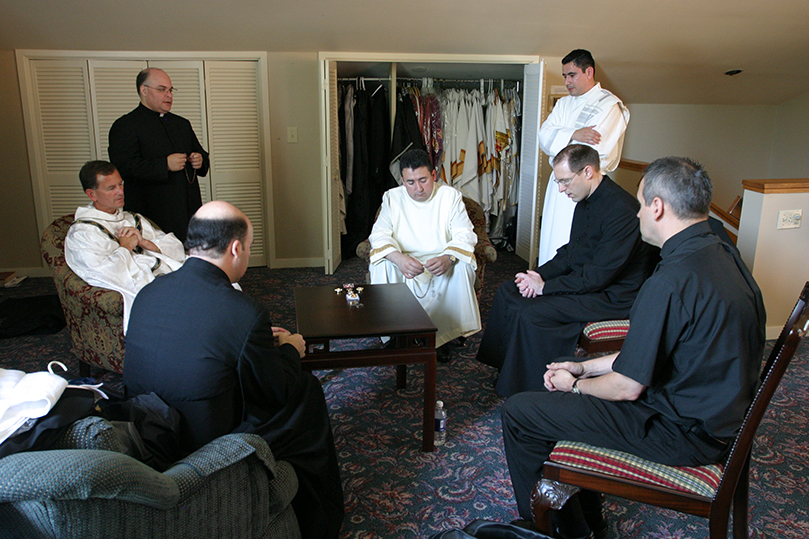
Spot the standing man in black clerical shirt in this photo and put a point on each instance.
(158, 156)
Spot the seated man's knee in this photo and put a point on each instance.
(514, 410)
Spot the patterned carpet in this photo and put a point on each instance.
(393, 490)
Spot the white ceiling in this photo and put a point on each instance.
(647, 51)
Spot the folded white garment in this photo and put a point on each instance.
(24, 396)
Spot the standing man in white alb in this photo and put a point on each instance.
(589, 115)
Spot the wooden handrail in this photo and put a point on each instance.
(725, 216)
(640, 166)
(628, 164)
(789, 185)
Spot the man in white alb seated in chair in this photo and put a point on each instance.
(116, 249)
(423, 237)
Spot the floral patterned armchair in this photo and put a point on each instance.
(94, 315)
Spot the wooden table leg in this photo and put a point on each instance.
(401, 376)
(428, 440)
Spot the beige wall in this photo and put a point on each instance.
(789, 157)
(297, 191)
(732, 142)
(19, 242)
(775, 256)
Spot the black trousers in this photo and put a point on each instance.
(523, 335)
(534, 421)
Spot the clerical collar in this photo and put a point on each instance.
(697, 229)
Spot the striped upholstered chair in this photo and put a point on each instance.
(605, 336)
(706, 491)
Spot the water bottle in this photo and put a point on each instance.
(440, 423)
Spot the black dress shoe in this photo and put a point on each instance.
(601, 532)
(443, 353)
(524, 524)
(458, 342)
(559, 535)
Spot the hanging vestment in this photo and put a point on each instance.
(379, 177)
(406, 134)
(358, 203)
(347, 140)
(449, 117)
(474, 154)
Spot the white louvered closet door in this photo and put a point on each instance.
(336, 197)
(530, 207)
(234, 125)
(62, 129)
(189, 102)
(112, 87)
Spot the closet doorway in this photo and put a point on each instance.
(388, 74)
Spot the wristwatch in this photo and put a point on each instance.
(452, 259)
(575, 387)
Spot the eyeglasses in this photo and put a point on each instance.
(564, 182)
(163, 90)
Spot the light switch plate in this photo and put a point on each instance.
(789, 219)
(292, 134)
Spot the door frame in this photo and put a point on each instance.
(393, 58)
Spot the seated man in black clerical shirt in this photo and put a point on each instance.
(595, 277)
(678, 390)
(208, 350)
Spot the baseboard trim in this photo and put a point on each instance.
(279, 263)
(773, 332)
(30, 272)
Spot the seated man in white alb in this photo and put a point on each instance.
(424, 238)
(112, 248)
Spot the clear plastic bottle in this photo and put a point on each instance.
(440, 423)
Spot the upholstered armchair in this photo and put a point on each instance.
(94, 316)
(232, 487)
(484, 250)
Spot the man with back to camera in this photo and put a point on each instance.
(589, 115)
(112, 248)
(678, 390)
(595, 277)
(423, 237)
(159, 156)
(207, 349)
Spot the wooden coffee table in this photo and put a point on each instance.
(324, 315)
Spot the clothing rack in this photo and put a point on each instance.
(355, 79)
(484, 83)
(421, 80)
